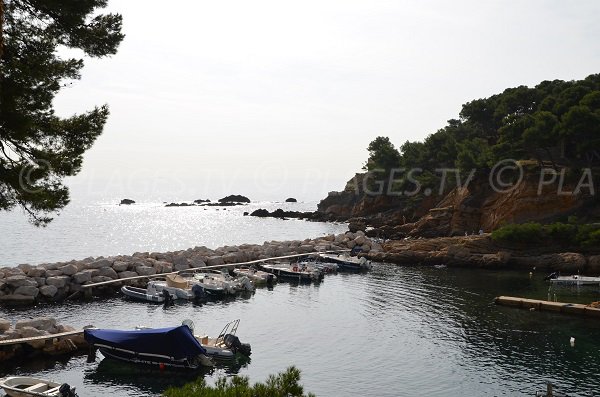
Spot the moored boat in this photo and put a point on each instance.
(211, 287)
(255, 275)
(164, 347)
(149, 294)
(347, 262)
(26, 386)
(292, 272)
(574, 280)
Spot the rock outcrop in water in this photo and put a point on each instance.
(27, 284)
(126, 202)
(234, 198)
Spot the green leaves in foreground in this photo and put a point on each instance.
(284, 384)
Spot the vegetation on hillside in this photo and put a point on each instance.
(562, 234)
(283, 384)
(556, 123)
(38, 149)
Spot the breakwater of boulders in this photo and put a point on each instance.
(28, 284)
(44, 327)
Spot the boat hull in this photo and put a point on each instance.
(16, 386)
(141, 294)
(157, 361)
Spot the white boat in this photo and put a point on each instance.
(149, 294)
(347, 262)
(255, 275)
(575, 280)
(26, 386)
(292, 272)
(178, 293)
(211, 287)
(233, 284)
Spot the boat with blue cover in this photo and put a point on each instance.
(170, 347)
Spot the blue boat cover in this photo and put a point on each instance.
(176, 342)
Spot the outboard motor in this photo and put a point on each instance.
(234, 344)
(168, 298)
(199, 293)
(66, 391)
(270, 280)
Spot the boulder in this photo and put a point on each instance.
(180, 267)
(17, 299)
(145, 270)
(36, 272)
(48, 291)
(360, 240)
(69, 270)
(108, 272)
(28, 290)
(49, 266)
(4, 325)
(57, 281)
(127, 274)
(231, 257)
(20, 281)
(82, 277)
(25, 267)
(120, 266)
(100, 279)
(29, 332)
(43, 323)
(98, 264)
(215, 261)
(53, 273)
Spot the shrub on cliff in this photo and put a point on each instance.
(523, 233)
(282, 384)
(564, 234)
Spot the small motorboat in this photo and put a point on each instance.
(26, 386)
(292, 272)
(255, 275)
(149, 294)
(179, 293)
(347, 262)
(163, 347)
(231, 283)
(573, 280)
(187, 282)
(325, 267)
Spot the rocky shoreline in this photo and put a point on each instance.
(38, 327)
(481, 251)
(53, 282)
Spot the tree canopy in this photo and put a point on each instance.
(38, 149)
(555, 121)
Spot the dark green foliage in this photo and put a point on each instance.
(562, 234)
(284, 384)
(37, 148)
(555, 121)
(519, 233)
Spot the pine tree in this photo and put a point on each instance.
(37, 148)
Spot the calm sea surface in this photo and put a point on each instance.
(84, 230)
(395, 331)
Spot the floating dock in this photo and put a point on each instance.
(559, 307)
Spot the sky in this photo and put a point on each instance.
(277, 99)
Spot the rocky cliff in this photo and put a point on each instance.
(469, 209)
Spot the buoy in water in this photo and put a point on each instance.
(572, 341)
